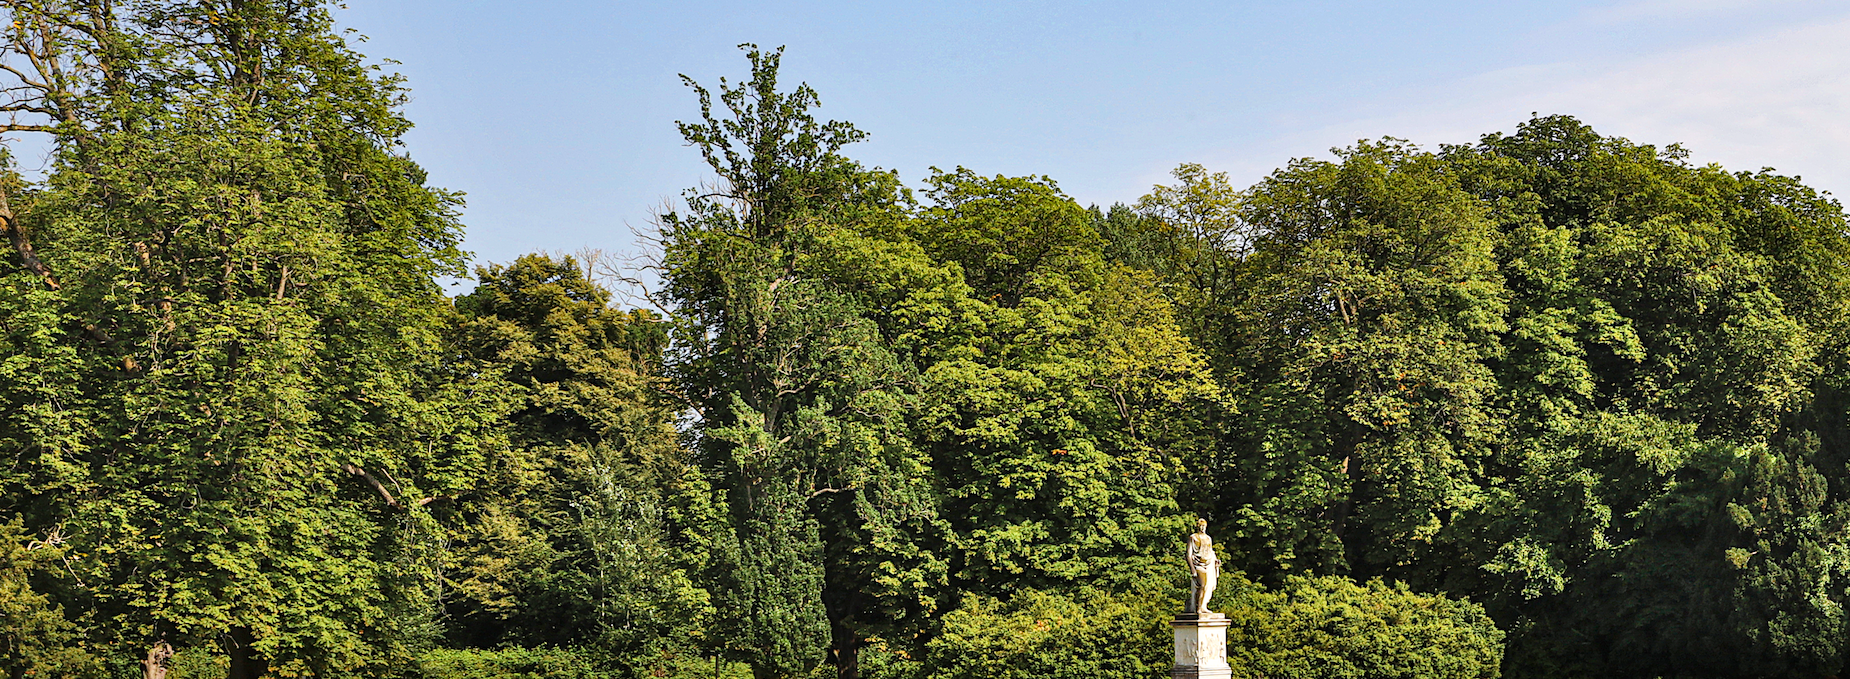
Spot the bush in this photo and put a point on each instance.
(1037, 635)
(1308, 628)
(566, 663)
(512, 663)
(1322, 628)
(1333, 627)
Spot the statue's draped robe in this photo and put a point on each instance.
(1203, 569)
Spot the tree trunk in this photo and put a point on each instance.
(847, 653)
(245, 662)
(1352, 469)
(155, 665)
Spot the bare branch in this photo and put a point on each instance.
(377, 486)
(23, 78)
(16, 235)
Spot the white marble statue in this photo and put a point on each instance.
(1203, 569)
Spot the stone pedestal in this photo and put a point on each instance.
(1201, 648)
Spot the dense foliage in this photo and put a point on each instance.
(1308, 627)
(1331, 626)
(1552, 404)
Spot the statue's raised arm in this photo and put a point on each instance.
(1203, 570)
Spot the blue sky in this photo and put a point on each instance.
(557, 118)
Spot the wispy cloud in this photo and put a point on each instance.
(1780, 98)
(1643, 10)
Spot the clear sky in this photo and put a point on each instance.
(557, 118)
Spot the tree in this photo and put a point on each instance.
(1052, 393)
(579, 539)
(36, 638)
(244, 419)
(803, 408)
(1197, 237)
(1370, 305)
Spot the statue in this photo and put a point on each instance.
(1203, 569)
(1201, 634)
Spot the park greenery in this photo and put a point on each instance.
(1552, 404)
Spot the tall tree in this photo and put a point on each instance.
(803, 408)
(1053, 395)
(1371, 302)
(235, 402)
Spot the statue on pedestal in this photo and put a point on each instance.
(1201, 634)
(1203, 569)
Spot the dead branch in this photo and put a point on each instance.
(821, 491)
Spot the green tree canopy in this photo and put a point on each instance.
(231, 395)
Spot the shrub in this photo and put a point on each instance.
(1038, 635)
(512, 663)
(584, 662)
(1321, 628)
(1334, 627)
